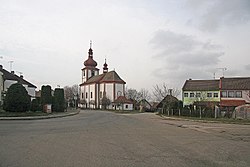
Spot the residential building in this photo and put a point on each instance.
(122, 103)
(200, 91)
(95, 86)
(234, 92)
(228, 93)
(10, 78)
(1, 87)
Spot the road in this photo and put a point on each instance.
(99, 138)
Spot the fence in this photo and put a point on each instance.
(188, 112)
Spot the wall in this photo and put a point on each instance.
(190, 100)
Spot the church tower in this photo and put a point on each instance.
(90, 64)
(105, 67)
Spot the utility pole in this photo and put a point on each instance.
(223, 70)
(10, 64)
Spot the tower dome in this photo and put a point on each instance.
(90, 62)
(105, 67)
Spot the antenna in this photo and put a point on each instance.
(20, 73)
(10, 64)
(223, 69)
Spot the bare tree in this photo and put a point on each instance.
(71, 94)
(161, 91)
(144, 94)
(105, 101)
(132, 94)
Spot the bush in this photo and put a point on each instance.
(58, 102)
(17, 99)
(34, 105)
(46, 97)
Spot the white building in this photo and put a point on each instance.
(10, 78)
(95, 86)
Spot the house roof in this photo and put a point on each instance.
(10, 76)
(123, 99)
(242, 83)
(201, 85)
(168, 98)
(109, 77)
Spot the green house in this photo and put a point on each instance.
(200, 91)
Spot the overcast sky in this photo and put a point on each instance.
(147, 42)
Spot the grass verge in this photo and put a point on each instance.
(211, 120)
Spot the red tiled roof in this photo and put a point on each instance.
(232, 103)
(122, 99)
(109, 77)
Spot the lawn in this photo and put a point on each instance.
(213, 120)
(22, 114)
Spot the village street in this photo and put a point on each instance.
(99, 138)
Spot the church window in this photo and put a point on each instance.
(92, 73)
(91, 95)
(86, 95)
(83, 72)
(82, 95)
(100, 94)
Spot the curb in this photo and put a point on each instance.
(202, 121)
(40, 117)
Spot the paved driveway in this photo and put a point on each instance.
(98, 138)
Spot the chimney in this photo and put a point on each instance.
(12, 72)
(170, 91)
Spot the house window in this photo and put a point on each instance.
(91, 95)
(86, 95)
(238, 94)
(230, 93)
(185, 94)
(191, 94)
(209, 94)
(224, 94)
(198, 94)
(126, 106)
(216, 95)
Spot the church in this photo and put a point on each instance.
(95, 86)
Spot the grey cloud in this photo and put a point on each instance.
(214, 14)
(247, 67)
(184, 56)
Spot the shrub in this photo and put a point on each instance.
(34, 105)
(17, 99)
(59, 102)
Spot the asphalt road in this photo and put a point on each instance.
(98, 138)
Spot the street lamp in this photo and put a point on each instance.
(75, 98)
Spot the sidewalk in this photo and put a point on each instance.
(53, 115)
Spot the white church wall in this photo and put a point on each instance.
(119, 90)
(109, 91)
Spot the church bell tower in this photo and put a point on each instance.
(90, 64)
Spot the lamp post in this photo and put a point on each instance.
(75, 98)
